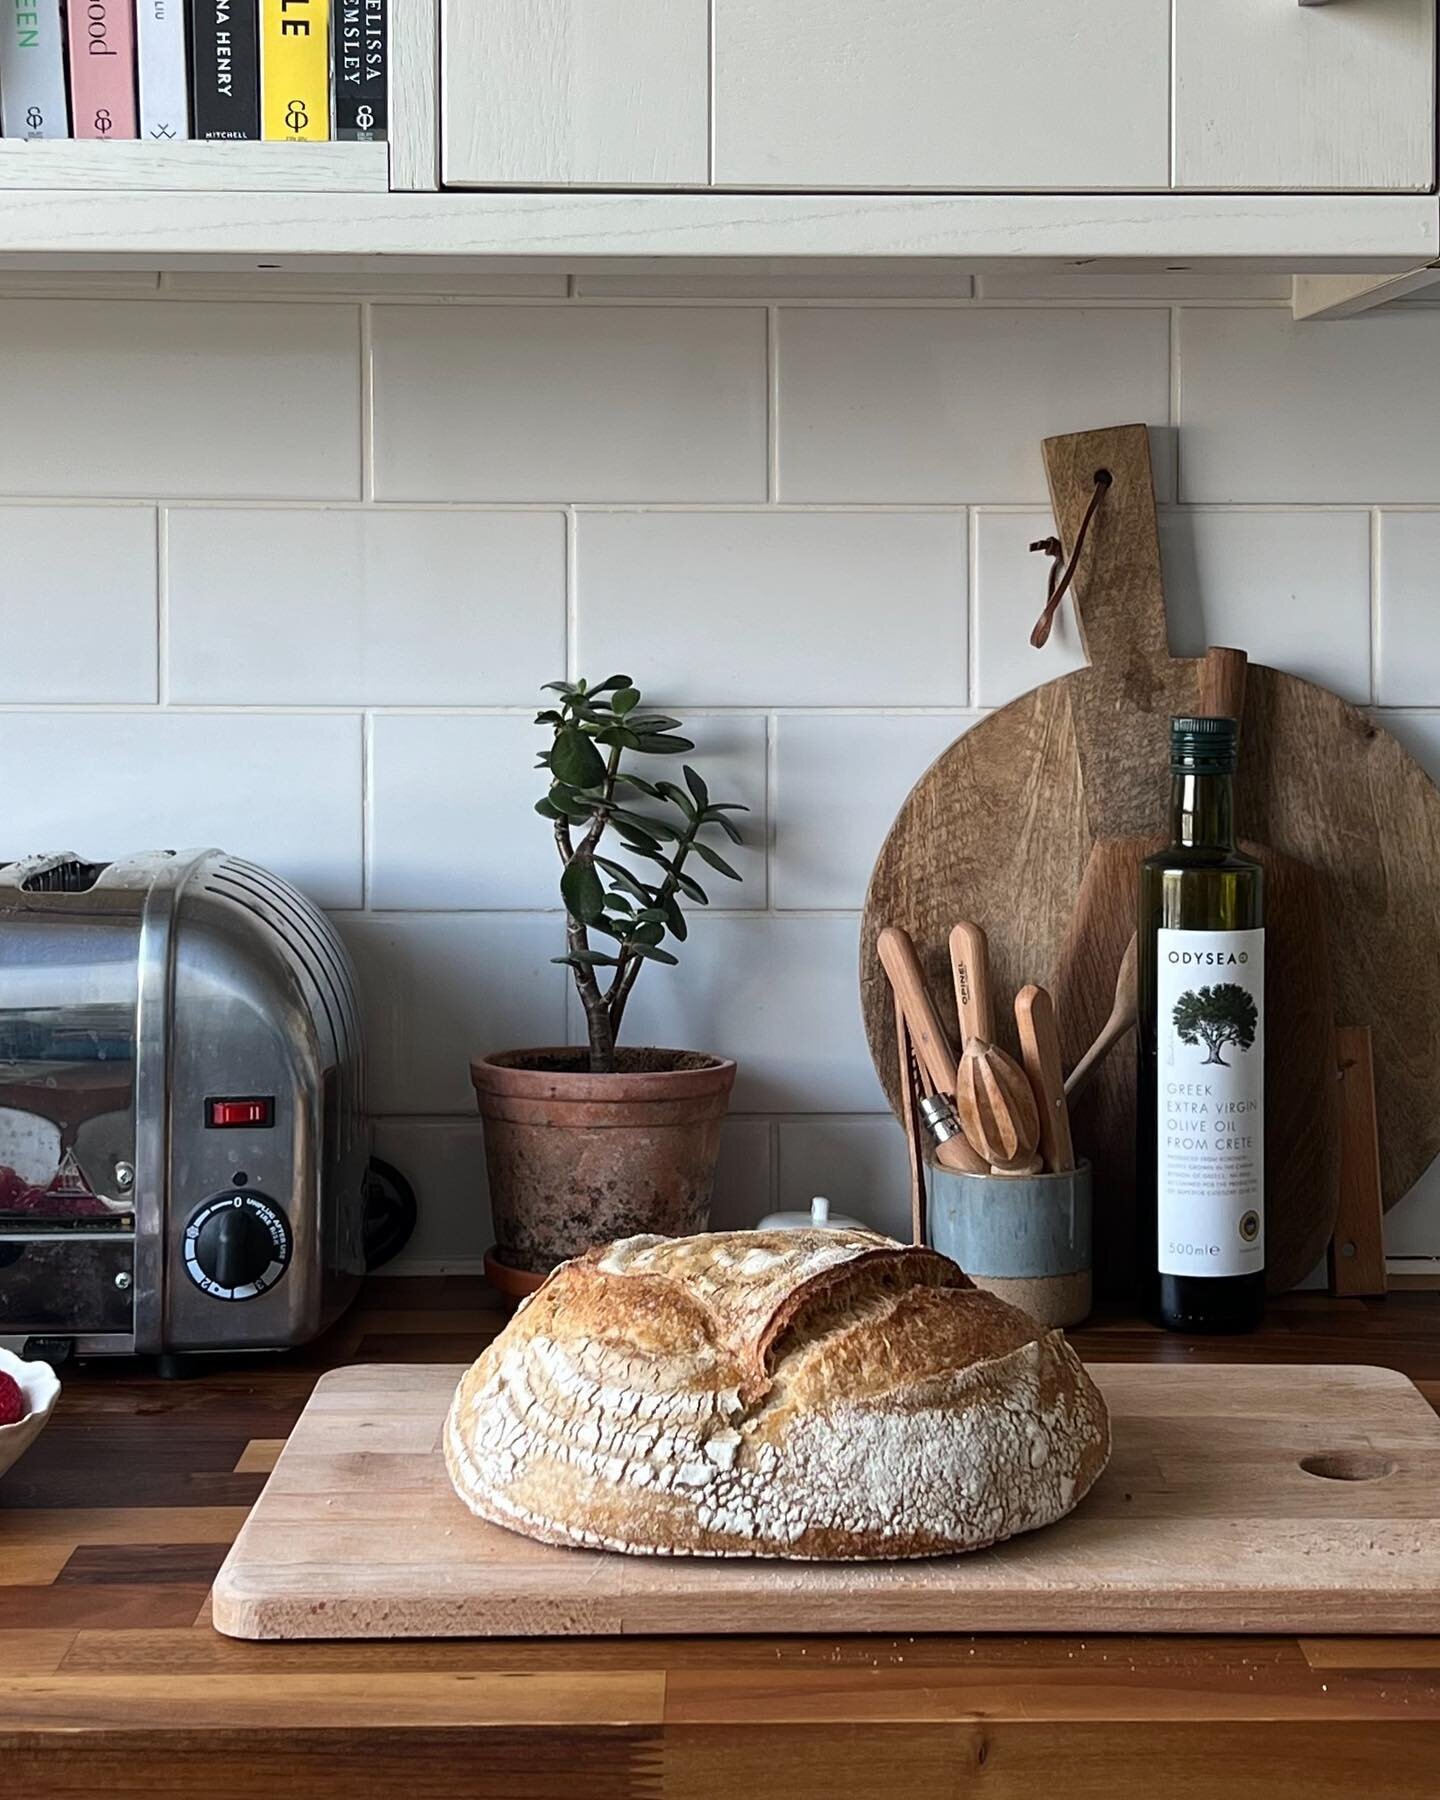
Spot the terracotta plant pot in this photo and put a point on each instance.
(576, 1159)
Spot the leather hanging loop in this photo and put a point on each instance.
(1062, 573)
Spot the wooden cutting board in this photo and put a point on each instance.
(1206, 1520)
(1000, 829)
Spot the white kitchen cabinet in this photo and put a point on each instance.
(965, 94)
(1271, 95)
(575, 93)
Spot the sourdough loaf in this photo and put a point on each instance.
(821, 1394)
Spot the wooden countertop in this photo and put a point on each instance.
(113, 1683)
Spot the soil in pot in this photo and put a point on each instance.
(576, 1159)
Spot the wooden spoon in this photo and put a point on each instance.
(1040, 1053)
(992, 1093)
(1122, 1017)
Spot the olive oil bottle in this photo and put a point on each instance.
(1200, 1164)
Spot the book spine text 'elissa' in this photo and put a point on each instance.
(225, 68)
(33, 101)
(295, 69)
(361, 56)
(102, 68)
(160, 47)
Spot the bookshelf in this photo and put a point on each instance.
(67, 165)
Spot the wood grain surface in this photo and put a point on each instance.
(1001, 827)
(130, 1461)
(1236, 1499)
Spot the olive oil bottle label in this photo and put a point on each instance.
(1210, 1096)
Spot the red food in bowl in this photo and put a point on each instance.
(12, 1400)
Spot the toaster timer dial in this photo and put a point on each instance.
(237, 1245)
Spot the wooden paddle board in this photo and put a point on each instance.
(1001, 827)
(1238, 1498)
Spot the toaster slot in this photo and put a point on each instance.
(68, 1286)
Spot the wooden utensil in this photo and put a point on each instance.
(992, 1093)
(1122, 1013)
(1002, 826)
(1040, 1054)
(932, 1045)
(924, 1049)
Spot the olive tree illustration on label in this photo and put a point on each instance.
(1217, 1016)
(1210, 1102)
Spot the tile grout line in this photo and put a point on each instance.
(811, 509)
(972, 608)
(367, 791)
(162, 607)
(367, 404)
(772, 405)
(572, 595)
(772, 806)
(1376, 595)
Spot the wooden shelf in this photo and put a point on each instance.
(136, 168)
(333, 205)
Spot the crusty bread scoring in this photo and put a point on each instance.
(820, 1394)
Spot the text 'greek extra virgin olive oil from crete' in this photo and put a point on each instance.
(1200, 1165)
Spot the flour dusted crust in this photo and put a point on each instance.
(815, 1394)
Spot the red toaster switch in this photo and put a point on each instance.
(226, 1114)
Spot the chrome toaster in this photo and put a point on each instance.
(183, 1144)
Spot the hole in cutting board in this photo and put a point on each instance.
(1348, 1465)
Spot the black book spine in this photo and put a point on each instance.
(225, 68)
(362, 55)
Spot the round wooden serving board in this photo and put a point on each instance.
(1000, 828)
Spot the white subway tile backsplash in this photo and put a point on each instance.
(574, 403)
(281, 789)
(437, 990)
(759, 608)
(742, 1176)
(1408, 664)
(452, 814)
(77, 597)
(942, 404)
(454, 822)
(342, 606)
(1292, 589)
(545, 485)
(1275, 410)
(1239, 578)
(839, 782)
(1417, 732)
(1010, 587)
(1413, 1227)
(444, 1161)
(780, 994)
(182, 399)
(859, 1165)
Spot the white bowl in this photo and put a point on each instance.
(41, 1387)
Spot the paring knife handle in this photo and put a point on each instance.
(932, 1045)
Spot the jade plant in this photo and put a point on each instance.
(595, 791)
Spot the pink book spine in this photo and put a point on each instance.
(102, 68)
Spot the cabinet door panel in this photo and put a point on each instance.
(1271, 95)
(575, 93)
(1046, 94)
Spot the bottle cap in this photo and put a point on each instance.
(1203, 746)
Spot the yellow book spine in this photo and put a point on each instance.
(295, 70)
